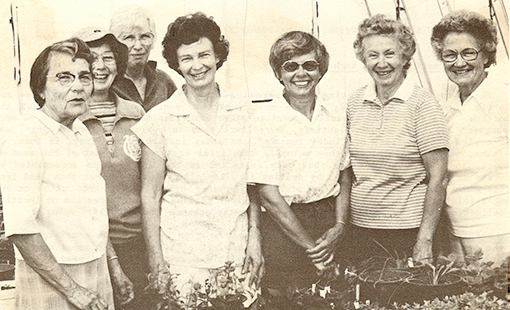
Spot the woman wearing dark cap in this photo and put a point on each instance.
(109, 119)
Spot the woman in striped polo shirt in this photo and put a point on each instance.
(398, 147)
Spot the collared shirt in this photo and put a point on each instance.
(386, 144)
(159, 87)
(302, 157)
(120, 168)
(51, 184)
(204, 190)
(478, 188)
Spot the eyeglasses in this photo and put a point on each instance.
(309, 65)
(145, 39)
(66, 79)
(468, 54)
(107, 59)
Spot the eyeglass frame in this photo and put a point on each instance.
(317, 64)
(60, 75)
(110, 58)
(134, 39)
(461, 55)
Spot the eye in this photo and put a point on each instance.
(128, 37)
(372, 55)
(185, 59)
(65, 78)
(389, 54)
(205, 54)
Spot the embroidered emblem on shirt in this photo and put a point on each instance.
(132, 147)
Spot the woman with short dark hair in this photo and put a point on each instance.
(194, 162)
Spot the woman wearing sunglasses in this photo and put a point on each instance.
(477, 118)
(299, 166)
(398, 148)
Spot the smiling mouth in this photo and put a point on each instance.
(101, 77)
(383, 73)
(199, 75)
(301, 83)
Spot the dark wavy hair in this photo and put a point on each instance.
(189, 29)
(297, 43)
(74, 47)
(380, 25)
(481, 28)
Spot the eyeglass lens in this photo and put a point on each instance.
(66, 79)
(467, 54)
(309, 65)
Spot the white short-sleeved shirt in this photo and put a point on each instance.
(203, 223)
(478, 188)
(386, 146)
(51, 184)
(302, 157)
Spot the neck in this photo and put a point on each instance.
(135, 72)
(100, 96)
(385, 92)
(466, 90)
(304, 105)
(68, 122)
(203, 96)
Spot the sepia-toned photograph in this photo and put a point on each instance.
(262, 155)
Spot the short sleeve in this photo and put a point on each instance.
(150, 130)
(21, 179)
(431, 130)
(264, 160)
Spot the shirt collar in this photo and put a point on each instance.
(321, 106)
(480, 94)
(403, 93)
(178, 104)
(125, 109)
(53, 125)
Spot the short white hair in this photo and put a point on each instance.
(130, 16)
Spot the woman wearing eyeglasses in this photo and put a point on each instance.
(109, 119)
(300, 166)
(477, 118)
(398, 148)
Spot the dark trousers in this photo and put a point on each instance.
(364, 243)
(287, 265)
(133, 260)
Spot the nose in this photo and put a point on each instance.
(300, 71)
(196, 64)
(459, 62)
(77, 85)
(381, 62)
(137, 44)
(98, 63)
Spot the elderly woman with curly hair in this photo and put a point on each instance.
(477, 119)
(194, 163)
(398, 148)
(300, 167)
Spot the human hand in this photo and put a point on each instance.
(122, 286)
(325, 247)
(85, 299)
(254, 261)
(159, 279)
(422, 252)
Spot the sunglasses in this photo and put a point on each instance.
(309, 65)
(468, 54)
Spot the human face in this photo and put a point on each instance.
(466, 74)
(197, 63)
(384, 58)
(104, 68)
(301, 83)
(139, 40)
(65, 103)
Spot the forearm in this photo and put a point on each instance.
(151, 228)
(434, 200)
(38, 256)
(343, 201)
(271, 199)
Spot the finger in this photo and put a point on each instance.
(321, 253)
(330, 259)
(319, 247)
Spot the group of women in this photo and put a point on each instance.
(287, 189)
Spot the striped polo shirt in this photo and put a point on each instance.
(386, 144)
